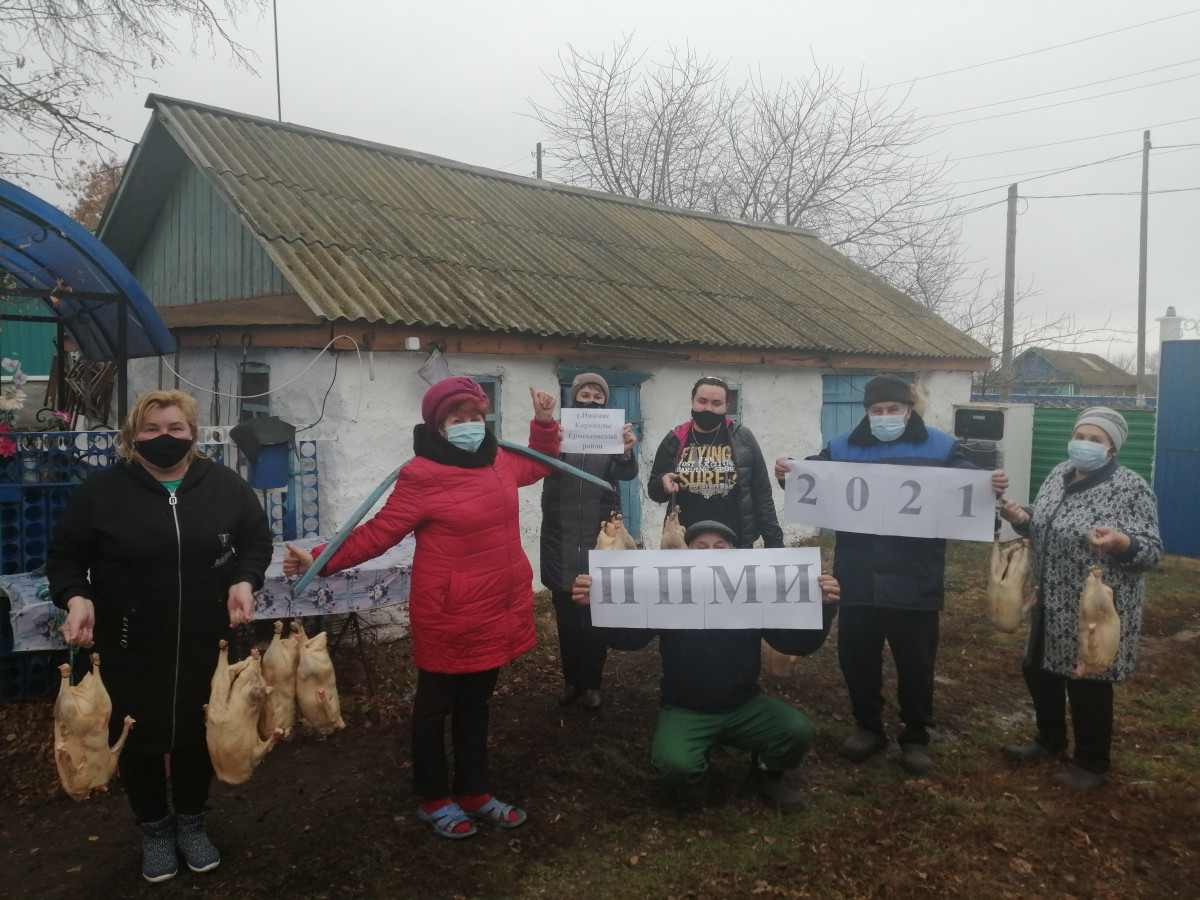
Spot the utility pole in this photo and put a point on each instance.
(278, 87)
(1141, 321)
(539, 160)
(1010, 295)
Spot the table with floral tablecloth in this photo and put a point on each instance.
(383, 581)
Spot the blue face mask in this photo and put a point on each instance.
(1087, 455)
(466, 435)
(887, 428)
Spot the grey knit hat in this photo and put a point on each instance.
(586, 378)
(708, 526)
(1107, 420)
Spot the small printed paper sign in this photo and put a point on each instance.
(593, 430)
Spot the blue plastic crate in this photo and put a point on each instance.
(30, 676)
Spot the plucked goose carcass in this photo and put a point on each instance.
(1099, 627)
(1007, 602)
(231, 715)
(316, 686)
(85, 761)
(279, 671)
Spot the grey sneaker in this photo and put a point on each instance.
(862, 745)
(915, 759)
(159, 860)
(1031, 752)
(198, 851)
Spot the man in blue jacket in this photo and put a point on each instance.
(892, 587)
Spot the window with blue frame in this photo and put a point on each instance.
(491, 387)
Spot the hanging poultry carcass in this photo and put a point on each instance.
(673, 532)
(1099, 626)
(1007, 601)
(613, 536)
(81, 713)
(279, 671)
(316, 686)
(231, 716)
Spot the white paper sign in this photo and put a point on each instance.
(592, 430)
(706, 589)
(905, 501)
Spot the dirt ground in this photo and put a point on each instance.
(334, 817)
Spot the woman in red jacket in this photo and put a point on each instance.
(471, 602)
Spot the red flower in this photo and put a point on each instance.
(8, 446)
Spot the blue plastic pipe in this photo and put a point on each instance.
(344, 531)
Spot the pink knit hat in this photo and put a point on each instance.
(439, 398)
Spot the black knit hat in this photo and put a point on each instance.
(887, 389)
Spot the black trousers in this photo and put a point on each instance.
(580, 646)
(464, 699)
(913, 639)
(1091, 715)
(144, 778)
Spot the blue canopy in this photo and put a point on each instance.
(48, 255)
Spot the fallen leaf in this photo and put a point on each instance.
(770, 839)
(93, 837)
(74, 868)
(633, 860)
(1019, 865)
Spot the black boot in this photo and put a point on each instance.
(772, 789)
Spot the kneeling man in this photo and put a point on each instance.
(711, 695)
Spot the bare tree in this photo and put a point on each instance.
(57, 57)
(810, 154)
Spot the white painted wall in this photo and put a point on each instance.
(369, 422)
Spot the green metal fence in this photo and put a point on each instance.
(1052, 429)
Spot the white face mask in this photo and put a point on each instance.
(466, 435)
(1087, 456)
(887, 428)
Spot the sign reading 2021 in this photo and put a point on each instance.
(907, 501)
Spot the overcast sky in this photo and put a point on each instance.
(455, 79)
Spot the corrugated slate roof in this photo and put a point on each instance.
(363, 230)
(1086, 368)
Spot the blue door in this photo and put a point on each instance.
(1177, 447)
(626, 395)
(841, 403)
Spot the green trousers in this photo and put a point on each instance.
(777, 733)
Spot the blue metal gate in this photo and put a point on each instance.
(1177, 447)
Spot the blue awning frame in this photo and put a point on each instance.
(46, 254)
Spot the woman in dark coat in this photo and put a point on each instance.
(154, 559)
(572, 511)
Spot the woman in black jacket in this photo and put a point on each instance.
(572, 512)
(154, 559)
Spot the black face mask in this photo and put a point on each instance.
(707, 419)
(591, 404)
(163, 451)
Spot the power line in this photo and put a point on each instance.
(1017, 112)
(1019, 175)
(991, 62)
(1077, 87)
(1090, 137)
(1107, 194)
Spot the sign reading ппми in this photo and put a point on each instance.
(705, 589)
(592, 430)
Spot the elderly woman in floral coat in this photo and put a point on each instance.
(1091, 511)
